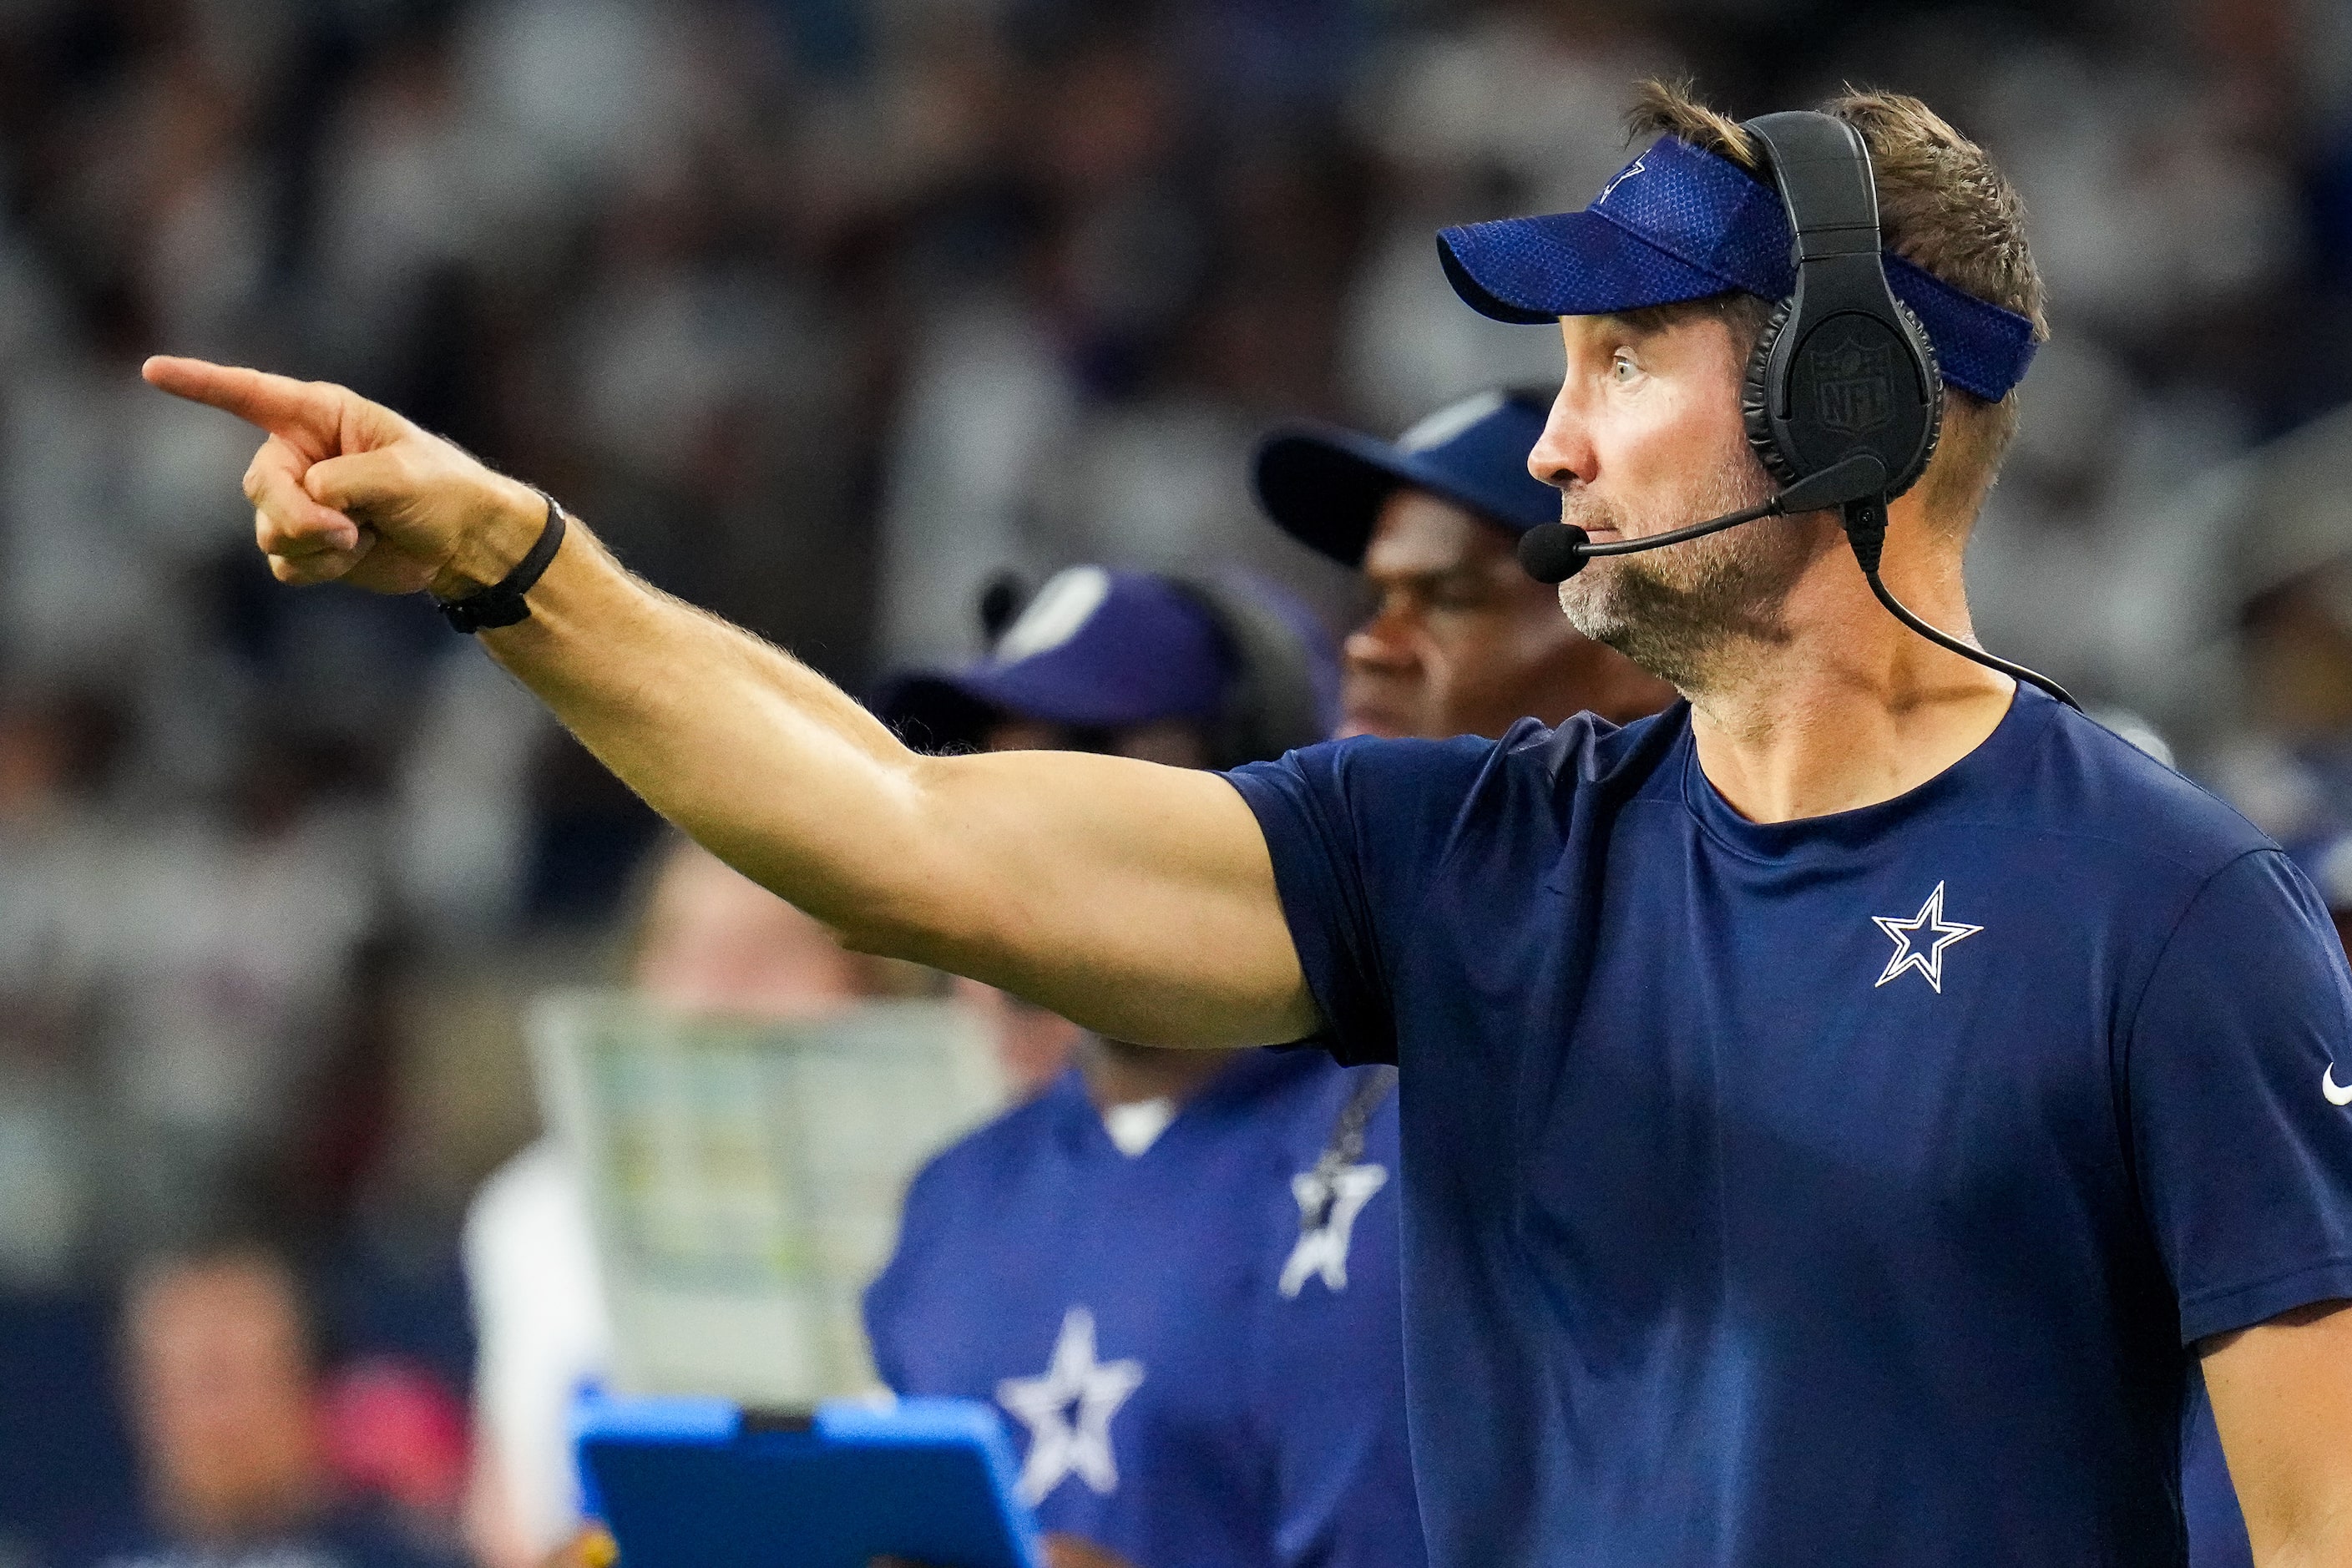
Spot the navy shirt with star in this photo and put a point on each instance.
(1847, 1190)
(1187, 1377)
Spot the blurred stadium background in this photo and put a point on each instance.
(824, 312)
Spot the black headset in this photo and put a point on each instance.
(1842, 398)
(1843, 368)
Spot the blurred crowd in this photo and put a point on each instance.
(825, 312)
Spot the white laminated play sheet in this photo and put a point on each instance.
(744, 1178)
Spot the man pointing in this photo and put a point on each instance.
(1836, 1112)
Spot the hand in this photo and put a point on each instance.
(594, 1547)
(345, 490)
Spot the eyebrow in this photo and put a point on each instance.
(1426, 576)
(1633, 323)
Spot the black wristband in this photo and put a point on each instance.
(501, 604)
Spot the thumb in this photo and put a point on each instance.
(361, 481)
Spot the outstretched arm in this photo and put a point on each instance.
(1135, 898)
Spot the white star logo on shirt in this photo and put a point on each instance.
(1065, 1441)
(1908, 953)
(1327, 1212)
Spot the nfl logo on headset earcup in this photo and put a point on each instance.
(1850, 387)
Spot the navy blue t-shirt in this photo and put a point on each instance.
(1836, 1190)
(1193, 1374)
(2217, 1529)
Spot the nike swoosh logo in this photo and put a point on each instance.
(2335, 1092)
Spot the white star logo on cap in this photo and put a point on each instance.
(1623, 175)
(1449, 422)
(1066, 602)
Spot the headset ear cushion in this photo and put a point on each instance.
(1934, 375)
(1756, 396)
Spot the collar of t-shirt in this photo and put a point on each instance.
(1136, 1128)
(1138, 1124)
(2002, 755)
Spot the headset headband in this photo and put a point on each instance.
(1824, 173)
(1843, 367)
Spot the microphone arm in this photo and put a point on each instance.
(1585, 549)
(1555, 552)
(1856, 486)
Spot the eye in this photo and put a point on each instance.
(1621, 368)
(1458, 591)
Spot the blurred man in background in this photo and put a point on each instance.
(221, 1374)
(1175, 1271)
(2291, 771)
(1460, 640)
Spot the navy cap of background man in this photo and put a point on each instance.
(1326, 485)
(1101, 651)
(1457, 640)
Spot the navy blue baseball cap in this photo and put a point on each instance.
(1101, 648)
(1679, 223)
(1326, 485)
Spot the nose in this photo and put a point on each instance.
(1384, 642)
(1563, 454)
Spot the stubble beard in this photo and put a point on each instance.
(1691, 614)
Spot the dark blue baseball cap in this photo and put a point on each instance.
(1101, 648)
(1679, 223)
(1326, 485)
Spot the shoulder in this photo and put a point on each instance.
(538, 1194)
(957, 1202)
(2088, 782)
(1584, 749)
(997, 1151)
(1304, 1094)
(539, 1178)
(1365, 772)
(1385, 786)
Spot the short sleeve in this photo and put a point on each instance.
(2241, 1139)
(1354, 828)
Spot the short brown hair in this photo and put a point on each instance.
(1942, 207)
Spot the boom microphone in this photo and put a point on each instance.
(1555, 552)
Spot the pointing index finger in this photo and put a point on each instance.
(278, 403)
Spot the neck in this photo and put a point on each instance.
(1117, 1073)
(1848, 707)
